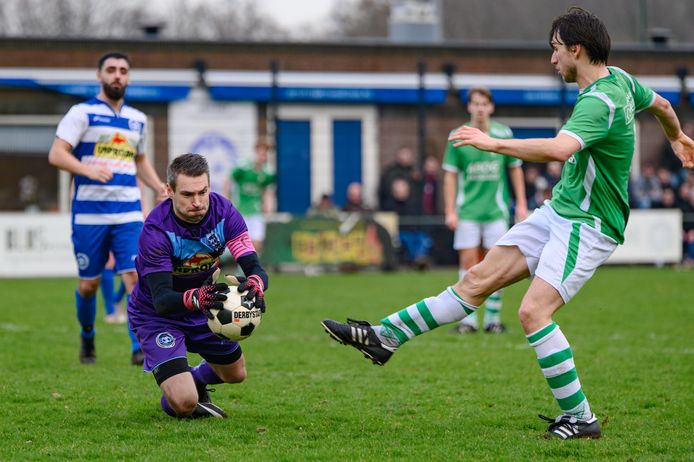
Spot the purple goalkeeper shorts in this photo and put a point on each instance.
(163, 339)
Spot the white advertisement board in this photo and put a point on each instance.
(223, 132)
(36, 245)
(652, 236)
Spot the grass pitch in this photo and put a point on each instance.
(441, 397)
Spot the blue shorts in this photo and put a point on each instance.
(163, 339)
(92, 243)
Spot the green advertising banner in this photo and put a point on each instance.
(328, 242)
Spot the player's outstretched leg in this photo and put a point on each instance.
(556, 361)
(379, 342)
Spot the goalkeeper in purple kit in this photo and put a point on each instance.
(177, 263)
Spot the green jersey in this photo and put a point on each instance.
(482, 178)
(250, 184)
(593, 188)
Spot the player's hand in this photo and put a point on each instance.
(451, 220)
(162, 193)
(684, 150)
(205, 298)
(521, 213)
(99, 173)
(467, 135)
(253, 284)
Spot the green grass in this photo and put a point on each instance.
(441, 397)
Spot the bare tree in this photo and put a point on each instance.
(360, 18)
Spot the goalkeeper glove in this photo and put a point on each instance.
(205, 298)
(254, 285)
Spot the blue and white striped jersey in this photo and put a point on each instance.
(100, 137)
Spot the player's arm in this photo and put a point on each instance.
(146, 173)
(60, 156)
(450, 188)
(560, 148)
(168, 301)
(681, 144)
(518, 184)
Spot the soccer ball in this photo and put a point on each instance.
(237, 320)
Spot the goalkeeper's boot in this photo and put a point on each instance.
(208, 408)
(87, 350)
(567, 426)
(361, 336)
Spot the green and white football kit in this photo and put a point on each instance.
(248, 195)
(565, 240)
(483, 204)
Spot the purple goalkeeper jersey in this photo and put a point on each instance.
(190, 252)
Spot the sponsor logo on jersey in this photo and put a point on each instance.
(165, 340)
(483, 171)
(100, 118)
(196, 264)
(114, 147)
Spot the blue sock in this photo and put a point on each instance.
(165, 406)
(118, 296)
(86, 313)
(205, 375)
(134, 344)
(107, 291)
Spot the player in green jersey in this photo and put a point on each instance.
(479, 212)
(251, 181)
(562, 243)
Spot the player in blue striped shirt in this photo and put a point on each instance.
(100, 141)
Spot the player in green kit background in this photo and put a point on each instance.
(476, 198)
(251, 182)
(562, 243)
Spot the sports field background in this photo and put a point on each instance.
(441, 397)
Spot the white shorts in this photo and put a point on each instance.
(563, 253)
(471, 234)
(256, 227)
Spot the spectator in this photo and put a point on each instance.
(646, 188)
(415, 242)
(403, 168)
(553, 173)
(324, 208)
(430, 186)
(354, 202)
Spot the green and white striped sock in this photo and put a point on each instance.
(422, 317)
(471, 319)
(492, 308)
(557, 364)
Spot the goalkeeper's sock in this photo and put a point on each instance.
(165, 406)
(492, 308)
(557, 364)
(422, 317)
(107, 291)
(205, 375)
(86, 313)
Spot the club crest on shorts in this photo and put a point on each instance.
(82, 260)
(165, 340)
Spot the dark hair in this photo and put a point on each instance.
(580, 27)
(112, 54)
(192, 165)
(479, 91)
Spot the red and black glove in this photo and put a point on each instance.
(255, 287)
(206, 298)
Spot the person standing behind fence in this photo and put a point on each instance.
(101, 142)
(251, 181)
(479, 212)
